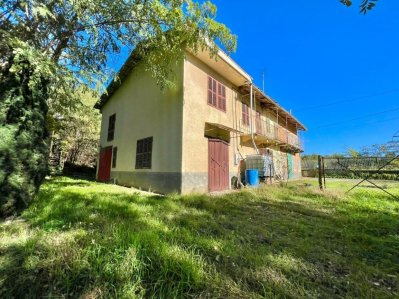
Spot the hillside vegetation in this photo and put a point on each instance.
(91, 240)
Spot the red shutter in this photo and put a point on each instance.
(209, 90)
(224, 97)
(245, 114)
(216, 94)
(221, 97)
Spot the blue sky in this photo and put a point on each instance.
(336, 69)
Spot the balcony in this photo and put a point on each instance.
(269, 133)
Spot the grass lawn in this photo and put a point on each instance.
(90, 240)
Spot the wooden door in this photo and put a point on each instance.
(104, 165)
(218, 165)
(290, 168)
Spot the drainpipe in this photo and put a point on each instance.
(251, 121)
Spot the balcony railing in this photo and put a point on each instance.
(272, 132)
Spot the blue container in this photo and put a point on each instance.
(252, 177)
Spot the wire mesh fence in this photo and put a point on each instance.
(363, 168)
(353, 167)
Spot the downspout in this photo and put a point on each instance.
(251, 120)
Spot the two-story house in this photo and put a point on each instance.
(191, 138)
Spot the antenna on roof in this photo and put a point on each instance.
(263, 80)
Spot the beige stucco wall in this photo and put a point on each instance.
(143, 110)
(197, 112)
(177, 120)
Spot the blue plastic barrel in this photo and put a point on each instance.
(252, 176)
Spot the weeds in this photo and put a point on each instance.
(90, 240)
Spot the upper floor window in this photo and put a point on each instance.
(259, 123)
(245, 114)
(216, 94)
(111, 127)
(144, 153)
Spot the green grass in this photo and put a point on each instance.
(90, 240)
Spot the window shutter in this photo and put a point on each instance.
(144, 153)
(210, 101)
(223, 97)
(245, 114)
(114, 156)
(111, 127)
(216, 94)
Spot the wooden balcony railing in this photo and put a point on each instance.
(272, 132)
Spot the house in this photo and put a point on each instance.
(191, 138)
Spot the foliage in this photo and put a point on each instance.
(77, 133)
(90, 240)
(365, 5)
(79, 36)
(389, 149)
(352, 153)
(23, 94)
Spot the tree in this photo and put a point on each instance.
(51, 47)
(365, 5)
(77, 134)
(23, 133)
(388, 149)
(352, 153)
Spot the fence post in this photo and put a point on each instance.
(320, 172)
(324, 173)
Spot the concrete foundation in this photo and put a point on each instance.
(159, 182)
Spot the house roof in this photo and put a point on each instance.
(228, 67)
(270, 103)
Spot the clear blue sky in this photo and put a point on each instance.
(317, 53)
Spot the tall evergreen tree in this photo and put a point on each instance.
(23, 135)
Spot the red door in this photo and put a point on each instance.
(218, 165)
(104, 165)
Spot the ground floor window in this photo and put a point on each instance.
(144, 153)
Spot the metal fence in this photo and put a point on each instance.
(363, 168)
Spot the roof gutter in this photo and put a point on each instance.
(227, 59)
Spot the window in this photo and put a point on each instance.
(259, 124)
(111, 127)
(114, 156)
(216, 94)
(144, 153)
(268, 127)
(245, 114)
